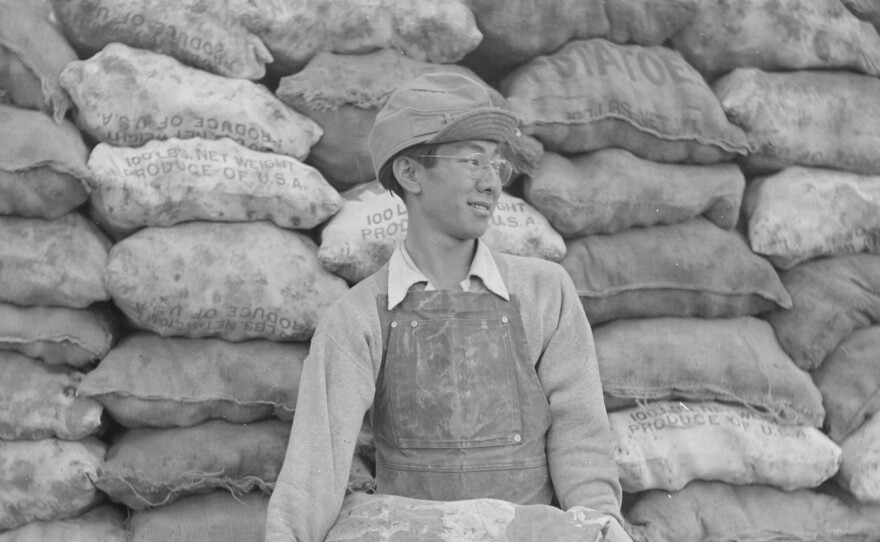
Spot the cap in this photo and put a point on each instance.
(436, 108)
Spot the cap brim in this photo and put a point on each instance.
(487, 124)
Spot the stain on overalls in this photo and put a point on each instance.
(459, 412)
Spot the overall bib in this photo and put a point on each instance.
(459, 412)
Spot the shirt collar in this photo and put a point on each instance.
(403, 274)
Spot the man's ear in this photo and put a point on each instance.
(405, 170)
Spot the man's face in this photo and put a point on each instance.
(452, 203)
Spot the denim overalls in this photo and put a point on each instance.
(458, 412)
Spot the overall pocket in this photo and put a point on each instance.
(453, 384)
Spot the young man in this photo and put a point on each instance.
(478, 369)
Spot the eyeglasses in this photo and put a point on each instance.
(477, 166)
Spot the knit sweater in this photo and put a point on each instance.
(338, 384)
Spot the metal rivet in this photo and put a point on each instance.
(393, 324)
(517, 438)
(414, 323)
(504, 319)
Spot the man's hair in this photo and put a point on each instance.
(423, 154)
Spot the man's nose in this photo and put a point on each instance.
(490, 181)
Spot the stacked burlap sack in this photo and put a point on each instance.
(702, 336)
(707, 173)
(808, 210)
(56, 256)
(811, 209)
(205, 193)
(55, 322)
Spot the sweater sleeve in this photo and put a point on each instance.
(580, 448)
(335, 391)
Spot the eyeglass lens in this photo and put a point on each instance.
(478, 164)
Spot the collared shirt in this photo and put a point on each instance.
(483, 275)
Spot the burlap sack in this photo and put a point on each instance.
(38, 401)
(153, 467)
(343, 94)
(47, 479)
(666, 445)
(33, 52)
(808, 118)
(612, 190)
(103, 523)
(385, 518)
(735, 360)
(42, 165)
(52, 262)
(57, 335)
(202, 38)
(237, 281)
(519, 31)
(437, 32)
(849, 380)
(19, 86)
(518, 228)
(216, 517)
(713, 511)
(594, 94)
(776, 35)
(690, 269)
(803, 213)
(359, 239)
(866, 10)
(860, 470)
(167, 182)
(831, 299)
(128, 96)
(152, 381)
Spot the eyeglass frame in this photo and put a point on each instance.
(475, 169)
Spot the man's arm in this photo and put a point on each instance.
(580, 448)
(335, 391)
